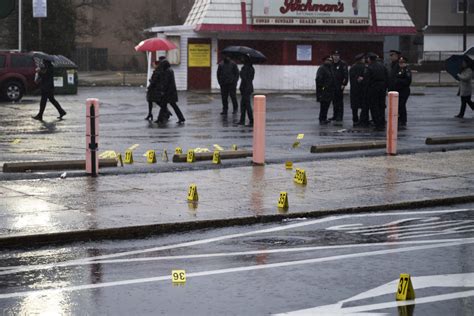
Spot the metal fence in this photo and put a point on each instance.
(98, 59)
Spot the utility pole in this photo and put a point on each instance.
(20, 26)
(465, 25)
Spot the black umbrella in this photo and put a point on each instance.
(454, 63)
(238, 51)
(44, 56)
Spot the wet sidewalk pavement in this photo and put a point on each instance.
(47, 206)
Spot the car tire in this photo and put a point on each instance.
(13, 91)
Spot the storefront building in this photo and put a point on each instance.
(293, 34)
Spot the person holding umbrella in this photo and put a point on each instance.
(167, 85)
(46, 84)
(247, 74)
(228, 76)
(465, 86)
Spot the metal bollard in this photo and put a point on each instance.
(92, 137)
(392, 120)
(259, 117)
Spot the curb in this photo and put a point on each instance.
(144, 231)
(449, 140)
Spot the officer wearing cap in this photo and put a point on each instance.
(402, 86)
(357, 93)
(325, 88)
(376, 79)
(393, 68)
(341, 75)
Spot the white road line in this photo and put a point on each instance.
(256, 232)
(232, 270)
(431, 233)
(416, 230)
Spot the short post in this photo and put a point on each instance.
(259, 117)
(92, 137)
(392, 128)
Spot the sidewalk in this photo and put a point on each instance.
(105, 207)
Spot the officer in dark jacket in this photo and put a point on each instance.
(325, 88)
(376, 80)
(393, 69)
(228, 76)
(247, 74)
(167, 84)
(356, 75)
(341, 75)
(402, 86)
(46, 84)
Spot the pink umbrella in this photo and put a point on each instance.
(155, 44)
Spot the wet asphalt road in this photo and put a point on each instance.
(122, 125)
(347, 262)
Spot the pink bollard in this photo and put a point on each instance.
(92, 137)
(259, 117)
(392, 128)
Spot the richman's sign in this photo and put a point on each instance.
(311, 12)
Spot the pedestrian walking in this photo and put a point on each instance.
(227, 77)
(465, 86)
(154, 94)
(402, 86)
(376, 77)
(167, 85)
(247, 74)
(393, 68)
(341, 76)
(357, 92)
(325, 88)
(45, 79)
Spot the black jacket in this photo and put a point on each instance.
(247, 73)
(167, 83)
(357, 87)
(325, 84)
(403, 80)
(340, 73)
(46, 77)
(154, 93)
(227, 73)
(393, 70)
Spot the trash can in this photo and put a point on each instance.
(65, 76)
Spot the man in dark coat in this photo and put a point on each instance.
(247, 74)
(393, 68)
(341, 76)
(402, 86)
(228, 76)
(154, 94)
(376, 80)
(167, 85)
(325, 88)
(46, 84)
(356, 75)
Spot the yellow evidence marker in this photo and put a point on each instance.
(128, 157)
(289, 165)
(178, 151)
(283, 200)
(217, 147)
(300, 136)
(300, 177)
(16, 141)
(178, 276)
(234, 147)
(193, 193)
(216, 157)
(164, 156)
(151, 156)
(405, 289)
(133, 147)
(109, 154)
(190, 157)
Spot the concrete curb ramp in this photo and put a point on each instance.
(348, 147)
(144, 231)
(449, 140)
(54, 165)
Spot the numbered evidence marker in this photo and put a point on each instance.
(216, 157)
(193, 193)
(289, 165)
(298, 139)
(178, 276)
(300, 177)
(150, 156)
(283, 200)
(128, 157)
(405, 289)
(190, 157)
(178, 151)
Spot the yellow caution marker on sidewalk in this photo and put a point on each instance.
(300, 177)
(151, 156)
(128, 157)
(193, 193)
(405, 289)
(178, 151)
(283, 200)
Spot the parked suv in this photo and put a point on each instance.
(17, 75)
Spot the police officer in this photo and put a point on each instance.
(376, 78)
(402, 84)
(393, 68)
(341, 75)
(356, 75)
(325, 88)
